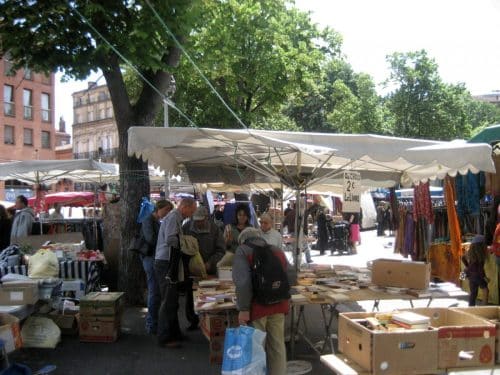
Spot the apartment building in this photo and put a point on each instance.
(26, 119)
(492, 97)
(95, 134)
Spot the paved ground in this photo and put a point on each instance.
(137, 353)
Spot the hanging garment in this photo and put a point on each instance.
(422, 205)
(454, 227)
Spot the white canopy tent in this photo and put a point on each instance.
(43, 171)
(301, 160)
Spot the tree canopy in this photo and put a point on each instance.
(79, 37)
(255, 54)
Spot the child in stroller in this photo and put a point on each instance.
(339, 237)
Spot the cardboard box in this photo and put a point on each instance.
(99, 328)
(10, 332)
(379, 352)
(490, 313)
(101, 304)
(401, 274)
(19, 293)
(216, 345)
(464, 340)
(214, 325)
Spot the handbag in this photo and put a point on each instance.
(189, 246)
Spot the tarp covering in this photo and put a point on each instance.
(301, 160)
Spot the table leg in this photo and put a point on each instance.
(292, 332)
(328, 335)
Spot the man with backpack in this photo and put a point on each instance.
(263, 293)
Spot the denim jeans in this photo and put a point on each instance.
(154, 298)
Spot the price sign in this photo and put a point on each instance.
(352, 192)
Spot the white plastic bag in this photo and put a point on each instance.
(244, 352)
(40, 332)
(43, 264)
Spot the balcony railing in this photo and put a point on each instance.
(28, 112)
(46, 115)
(9, 109)
(101, 154)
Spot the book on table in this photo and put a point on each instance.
(411, 326)
(409, 319)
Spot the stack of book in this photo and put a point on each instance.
(410, 320)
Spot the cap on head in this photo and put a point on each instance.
(249, 232)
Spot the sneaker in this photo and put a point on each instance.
(173, 344)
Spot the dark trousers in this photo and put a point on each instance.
(380, 228)
(168, 320)
(476, 283)
(190, 314)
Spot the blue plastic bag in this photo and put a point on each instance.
(244, 352)
(147, 209)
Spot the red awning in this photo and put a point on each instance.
(66, 198)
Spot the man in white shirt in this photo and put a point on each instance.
(269, 234)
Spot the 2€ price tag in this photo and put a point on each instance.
(352, 192)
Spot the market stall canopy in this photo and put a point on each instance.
(490, 134)
(42, 171)
(300, 159)
(67, 198)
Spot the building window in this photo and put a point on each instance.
(45, 105)
(8, 135)
(28, 104)
(28, 74)
(8, 67)
(90, 116)
(102, 113)
(28, 137)
(45, 139)
(110, 112)
(8, 101)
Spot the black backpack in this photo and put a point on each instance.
(269, 279)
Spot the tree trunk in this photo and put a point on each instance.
(134, 184)
(133, 187)
(134, 175)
